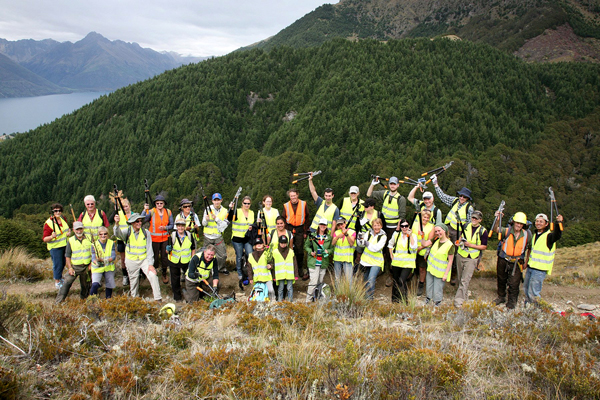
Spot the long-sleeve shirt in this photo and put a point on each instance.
(150, 215)
(122, 235)
(437, 218)
(195, 263)
(113, 253)
(449, 200)
(379, 195)
(374, 247)
(553, 236)
(307, 219)
(402, 242)
(221, 225)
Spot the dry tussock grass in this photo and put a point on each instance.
(344, 348)
(16, 264)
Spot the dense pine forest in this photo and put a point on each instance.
(350, 109)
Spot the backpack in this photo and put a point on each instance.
(259, 292)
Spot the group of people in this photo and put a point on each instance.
(270, 247)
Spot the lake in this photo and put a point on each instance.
(24, 113)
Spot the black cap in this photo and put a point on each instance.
(283, 239)
(258, 240)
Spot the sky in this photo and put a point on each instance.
(189, 27)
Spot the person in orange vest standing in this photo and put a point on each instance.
(161, 221)
(512, 259)
(297, 220)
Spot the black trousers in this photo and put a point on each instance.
(160, 251)
(400, 286)
(509, 276)
(176, 270)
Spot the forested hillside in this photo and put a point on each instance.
(506, 24)
(399, 108)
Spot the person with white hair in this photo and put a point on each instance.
(92, 218)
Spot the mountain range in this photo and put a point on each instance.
(91, 64)
(526, 28)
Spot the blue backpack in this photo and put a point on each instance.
(259, 292)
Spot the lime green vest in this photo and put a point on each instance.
(181, 253)
(343, 252)
(321, 213)
(123, 221)
(104, 254)
(61, 238)
(271, 218)
(437, 262)
(370, 258)
(402, 257)
(542, 257)
(240, 225)
(347, 210)
(451, 218)
(472, 237)
(136, 247)
(90, 227)
(203, 269)
(389, 209)
(259, 268)
(426, 231)
(81, 252)
(211, 226)
(284, 267)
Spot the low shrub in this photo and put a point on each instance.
(18, 264)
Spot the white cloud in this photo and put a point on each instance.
(200, 27)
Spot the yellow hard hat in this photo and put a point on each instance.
(520, 217)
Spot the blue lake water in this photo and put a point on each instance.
(24, 113)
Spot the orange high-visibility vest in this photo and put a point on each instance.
(159, 236)
(295, 218)
(512, 249)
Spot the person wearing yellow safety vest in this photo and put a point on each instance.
(182, 251)
(269, 212)
(124, 215)
(372, 258)
(241, 222)
(425, 236)
(192, 223)
(472, 242)
(258, 267)
(55, 235)
(425, 204)
(103, 263)
(214, 221)
(325, 208)
(352, 205)
(161, 222)
(439, 264)
(403, 251)
(138, 254)
(286, 268)
(92, 218)
(343, 246)
(319, 251)
(79, 257)
(541, 259)
(279, 231)
(459, 215)
(512, 258)
(199, 271)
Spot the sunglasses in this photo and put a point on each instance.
(90, 204)
(159, 203)
(246, 204)
(137, 220)
(103, 234)
(463, 196)
(403, 226)
(54, 211)
(186, 206)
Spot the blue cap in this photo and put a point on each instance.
(217, 196)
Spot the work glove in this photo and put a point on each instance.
(434, 179)
(216, 289)
(193, 273)
(169, 248)
(375, 182)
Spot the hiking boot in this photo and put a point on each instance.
(500, 300)
(453, 282)
(420, 289)
(165, 279)
(511, 305)
(389, 282)
(306, 277)
(125, 281)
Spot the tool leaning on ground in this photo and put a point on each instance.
(554, 208)
(305, 175)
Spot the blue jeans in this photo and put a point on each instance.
(58, 262)
(533, 284)
(290, 289)
(346, 266)
(370, 277)
(240, 260)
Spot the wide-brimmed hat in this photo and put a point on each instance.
(134, 217)
(465, 192)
